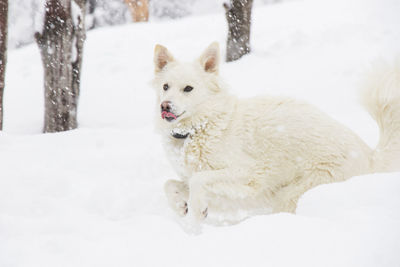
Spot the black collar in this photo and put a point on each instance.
(180, 136)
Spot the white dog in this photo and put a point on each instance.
(265, 152)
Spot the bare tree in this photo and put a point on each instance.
(3, 52)
(61, 47)
(238, 16)
(139, 9)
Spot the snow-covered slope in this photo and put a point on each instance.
(93, 196)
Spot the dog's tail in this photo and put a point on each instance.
(380, 95)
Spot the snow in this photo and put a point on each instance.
(94, 196)
(74, 54)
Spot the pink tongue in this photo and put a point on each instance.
(166, 114)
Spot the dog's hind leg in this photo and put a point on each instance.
(286, 197)
(233, 184)
(177, 194)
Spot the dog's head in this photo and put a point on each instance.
(183, 89)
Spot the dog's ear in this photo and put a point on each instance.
(161, 57)
(209, 60)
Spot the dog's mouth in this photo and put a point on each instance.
(169, 116)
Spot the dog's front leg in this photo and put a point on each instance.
(198, 197)
(226, 183)
(177, 193)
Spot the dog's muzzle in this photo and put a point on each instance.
(166, 112)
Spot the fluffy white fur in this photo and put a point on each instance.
(262, 153)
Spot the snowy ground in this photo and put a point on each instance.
(93, 196)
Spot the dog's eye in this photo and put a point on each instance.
(165, 87)
(188, 88)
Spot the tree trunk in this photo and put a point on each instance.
(3, 52)
(238, 16)
(139, 9)
(61, 44)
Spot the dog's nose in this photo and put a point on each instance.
(166, 106)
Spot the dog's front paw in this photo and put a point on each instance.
(177, 196)
(198, 206)
(181, 208)
(178, 204)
